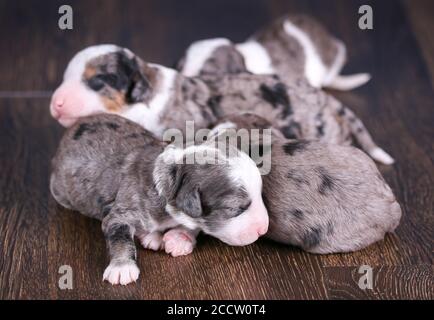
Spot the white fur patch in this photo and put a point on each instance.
(244, 171)
(121, 274)
(348, 82)
(76, 66)
(221, 127)
(178, 242)
(256, 57)
(333, 78)
(314, 69)
(148, 116)
(382, 156)
(198, 53)
(181, 218)
(338, 63)
(152, 241)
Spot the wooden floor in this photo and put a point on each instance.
(397, 106)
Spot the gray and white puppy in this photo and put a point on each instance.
(110, 79)
(111, 169)
(324, 198)
(293, 47)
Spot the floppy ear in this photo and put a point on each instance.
(189, 202)
(139, 87)
(185, 194)
(131, 68)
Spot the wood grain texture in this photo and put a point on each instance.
(37, 236)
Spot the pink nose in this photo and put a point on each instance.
(262, 230)
(58, 103)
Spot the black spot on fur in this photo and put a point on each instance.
(173, 171)
(292, 147)
(83, 128)
(341, 111)
(320, 124)
(112, 126)
(292, 130)
(277, 96)
(295, 176)
(312, 237)
(104, 205)
(132, 136)
(119, 233)
(297, 214)
(214, 104)
(330, 228)
(327, 181)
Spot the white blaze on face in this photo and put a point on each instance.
(77, 65)
(241, 230)
(198, 53)
(314, 69)
(73, 99)
(256, 57)
(251, 224)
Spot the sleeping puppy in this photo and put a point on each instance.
(109, 79)
(111, 169)
(321, 197)
(294, 46)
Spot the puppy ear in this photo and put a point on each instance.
(180, 64)
(189, 201)
(139, 87)
(131, 69)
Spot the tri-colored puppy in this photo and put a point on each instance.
(293, 47)
(109, 79)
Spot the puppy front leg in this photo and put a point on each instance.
(180, 241)
(122, 250)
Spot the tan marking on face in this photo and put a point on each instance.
(115, 102)
(89, 71)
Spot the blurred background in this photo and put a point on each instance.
(397, 107)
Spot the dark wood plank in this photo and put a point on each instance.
(398, 282)
(421, 17)
(27, 137)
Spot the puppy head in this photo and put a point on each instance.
(211, 57)
(100, 79)
(222, 197)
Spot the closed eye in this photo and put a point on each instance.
(98, 82)
(109, 78)
(241, 209)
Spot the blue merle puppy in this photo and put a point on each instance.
(324, 198)
(111, 169)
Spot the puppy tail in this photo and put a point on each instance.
(348, 82)
(363, 138)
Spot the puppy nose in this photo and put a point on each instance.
(262, 230)
(58, 103)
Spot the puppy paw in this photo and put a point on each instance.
(121, 273)
(152, 241)
(178, 242)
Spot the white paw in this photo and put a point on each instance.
(121, 273)
(152, 241)
(178, 242)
